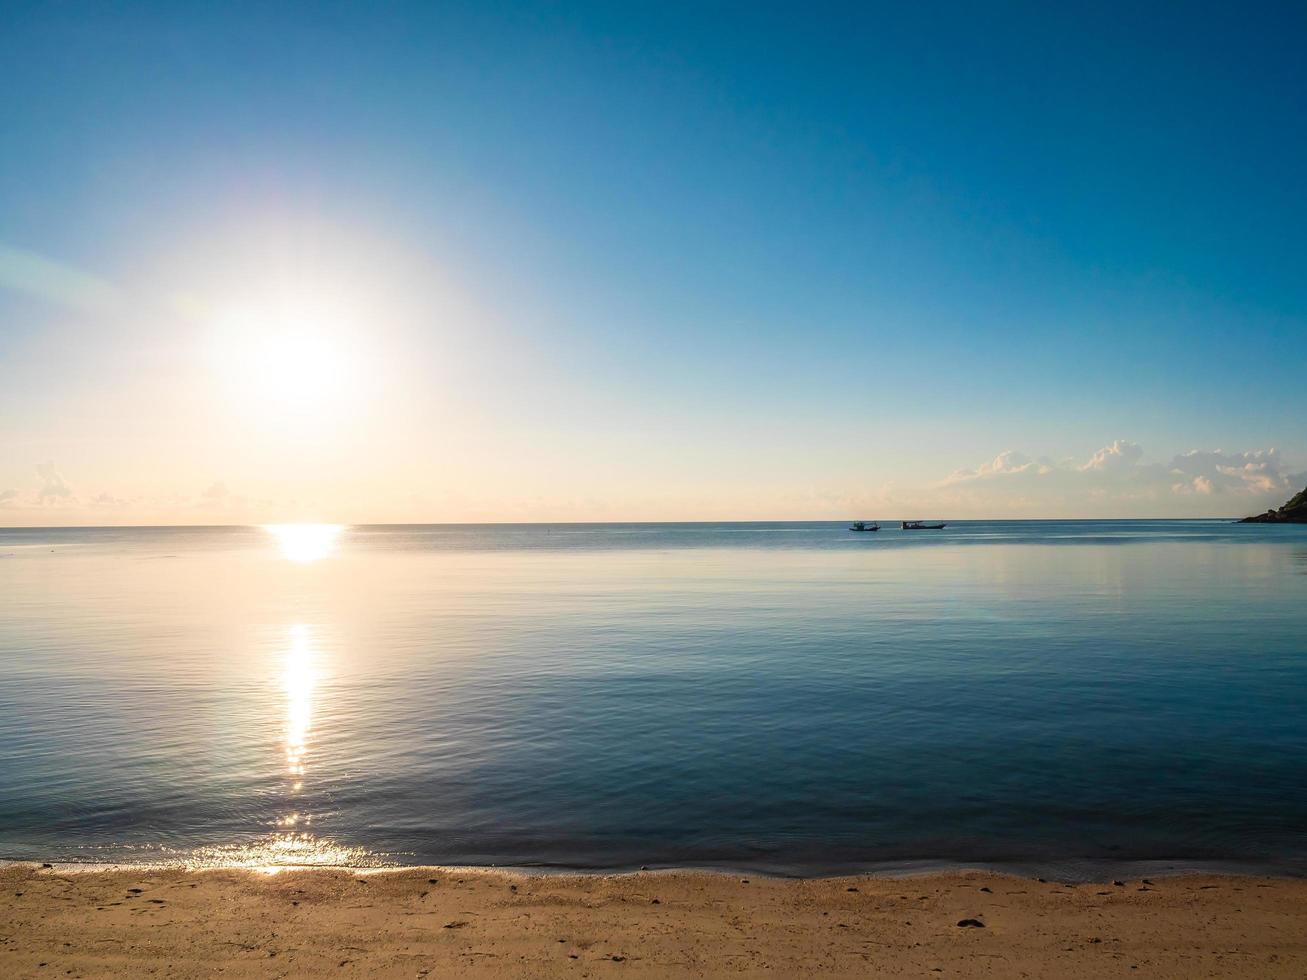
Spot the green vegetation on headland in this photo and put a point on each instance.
(1294, 512)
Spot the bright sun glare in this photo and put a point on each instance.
(290, 358)
(297, 370)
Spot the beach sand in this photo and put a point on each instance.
(457, 922)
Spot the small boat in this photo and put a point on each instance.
(863, 526)
(918, 526)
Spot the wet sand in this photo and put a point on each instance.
(449, 922)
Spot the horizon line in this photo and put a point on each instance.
(349, 524)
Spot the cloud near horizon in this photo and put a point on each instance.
(54, 496)
(53, 486)
(1115, 481)
(1118, 475)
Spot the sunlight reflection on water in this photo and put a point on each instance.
(305, 542)
(293, 844)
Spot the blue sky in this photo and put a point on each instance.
(780, 260)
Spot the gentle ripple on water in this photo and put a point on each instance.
(790, 697)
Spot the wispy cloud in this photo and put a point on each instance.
(53, 485)
(36, 275)
(51, 496)
(1006, 464)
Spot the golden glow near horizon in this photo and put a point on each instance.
(305, 542)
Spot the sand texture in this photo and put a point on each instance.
(456, 923)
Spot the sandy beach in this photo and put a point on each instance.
(422, 922)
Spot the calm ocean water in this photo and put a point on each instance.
(785, 697)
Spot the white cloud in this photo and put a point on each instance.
(1261, 472)
(1117, 479)
(1120, 455)
(1005, 464)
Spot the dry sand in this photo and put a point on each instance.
(446, 923)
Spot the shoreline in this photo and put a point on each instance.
(411, 921)
(1067, 871)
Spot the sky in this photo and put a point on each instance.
(408, 262)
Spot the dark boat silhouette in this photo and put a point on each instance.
(918, 526)
(863, 526)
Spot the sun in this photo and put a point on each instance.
(288, 357)
(281, 362)
(296, 369)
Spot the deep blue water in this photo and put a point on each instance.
(786, 697)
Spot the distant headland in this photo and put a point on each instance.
(1294, 512)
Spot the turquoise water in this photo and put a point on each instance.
(786, 697)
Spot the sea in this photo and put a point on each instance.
(1070, 698)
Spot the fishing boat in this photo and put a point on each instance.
(863, 526)
(918, 526)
